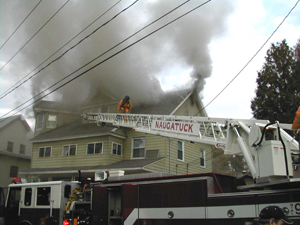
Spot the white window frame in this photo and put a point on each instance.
(87, 148)
(45, 148)
(51, 121)
(68, 150)
(39, 121)
(182, 150)
(133, 148)
(202, 156)
(112, 149)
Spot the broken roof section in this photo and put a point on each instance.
(167, 105)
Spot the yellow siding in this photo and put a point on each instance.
(80, 159)
(191, 162)
(159, 166)
(152, 142)
(62, 119)
(188, 109)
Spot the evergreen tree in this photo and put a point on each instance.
(278, 84)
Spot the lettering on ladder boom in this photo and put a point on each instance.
(175, 126)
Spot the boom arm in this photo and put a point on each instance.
(232, 135)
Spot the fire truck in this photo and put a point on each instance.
(159, 198)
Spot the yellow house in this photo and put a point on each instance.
(15, 148)
(64, 143)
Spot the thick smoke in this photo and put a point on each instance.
(134, 72)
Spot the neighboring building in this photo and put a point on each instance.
(59, 152)
(15, 147)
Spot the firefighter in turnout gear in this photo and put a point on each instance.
(125, 105)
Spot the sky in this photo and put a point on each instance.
(205, 49)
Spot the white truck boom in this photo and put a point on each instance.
(266, 156)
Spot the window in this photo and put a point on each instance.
(14, 195)
(10, 146)
(138, 147)
(202, 157)
(180, 151)
(13, 171)
(95, 148)
(22, 149)
(27, 197)
(43, 196)
(45, 152)
(51, 123)
(39, 122)
(116, 149)
(69, 150)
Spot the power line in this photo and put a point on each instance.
(59, 57)
(20, 25)
(15, 85)
(108, 58)
(250, 59)
(101, 55)
(33, 36)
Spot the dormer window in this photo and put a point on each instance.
(51, 122)
(39, 121)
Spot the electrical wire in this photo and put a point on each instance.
(111, 48)
(33, 36)
(250, 59)
(108, 58)
(59, 57)
(12, 88)
(20, 25)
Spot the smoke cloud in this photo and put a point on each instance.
(136, 71)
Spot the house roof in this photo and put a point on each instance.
(75, 130)
(166, 104)
(8, 120)
(136, 164)
(52, 106)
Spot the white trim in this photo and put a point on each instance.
(45, 151)
(181, 160)
(204, 157)
(77, 137)
(102, 147)
(69, 150)
(132, 141)
(112, 148)
(209, 212)
(181, 104)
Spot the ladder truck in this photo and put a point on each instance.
(202, 198)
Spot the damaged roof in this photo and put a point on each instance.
(166, 104)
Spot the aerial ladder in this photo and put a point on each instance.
(266, 147)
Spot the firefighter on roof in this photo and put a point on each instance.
(125, 105)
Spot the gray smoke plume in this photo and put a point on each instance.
(135, 71)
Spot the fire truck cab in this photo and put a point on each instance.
(37, 203)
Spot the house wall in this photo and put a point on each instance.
(62, 119)
(152, 142)
(189, 109)
(5, 164)
(57, 160)
(17, 133)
